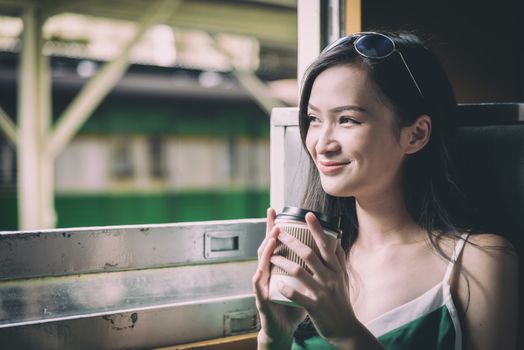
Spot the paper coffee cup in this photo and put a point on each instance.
(292, 220)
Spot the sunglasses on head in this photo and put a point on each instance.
(373, 46)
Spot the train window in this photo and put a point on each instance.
(7, 165)
(122, 162)
(233, 157)
(157, 157)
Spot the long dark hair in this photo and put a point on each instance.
(431, 194)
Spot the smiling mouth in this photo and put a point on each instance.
(331, 167)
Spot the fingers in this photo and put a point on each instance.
(271, 234)
(271, 216)
(258, 288)
(325, 247)
(303, 251)
(296, 296)
(270, 226)
(295, 270)
(264, 261)
(260, 280)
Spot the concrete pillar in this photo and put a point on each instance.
(35, 169)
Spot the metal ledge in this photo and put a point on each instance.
(49, 299)
(127, 287)
(74, 251)
(141, 329)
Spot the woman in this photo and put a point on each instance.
(376, 115)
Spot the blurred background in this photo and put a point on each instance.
(137, 112)
(182, 134)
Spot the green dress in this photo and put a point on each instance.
(427, 322)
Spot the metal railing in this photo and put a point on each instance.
(124, 287)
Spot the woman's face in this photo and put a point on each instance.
(352, 137)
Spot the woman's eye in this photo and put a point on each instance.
(348, 120)
(313, 119)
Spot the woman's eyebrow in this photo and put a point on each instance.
(340, 108)
(310, 106)
(347, 108)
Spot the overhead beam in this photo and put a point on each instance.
(8, 127)
(258, 90)
(274, 28)
(54, 7)
(101, 84)
(255, 87)
(19, 3)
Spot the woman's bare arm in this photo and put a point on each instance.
(488, 293)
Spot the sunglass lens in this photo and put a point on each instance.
(374, 46)
(339, 42)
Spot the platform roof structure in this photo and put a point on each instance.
(272, 23)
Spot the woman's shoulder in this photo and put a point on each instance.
(490, 240)
(475, 243)
(490, 248)
(488, 252)
(486, 257)
(490, 263)
(487, 287)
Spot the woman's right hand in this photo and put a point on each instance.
(278, 322)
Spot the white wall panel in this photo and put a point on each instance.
(83, 166)
(197, 163)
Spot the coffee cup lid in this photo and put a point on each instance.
(329, 222)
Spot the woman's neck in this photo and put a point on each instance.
(384, 220)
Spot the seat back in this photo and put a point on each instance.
(490, 161)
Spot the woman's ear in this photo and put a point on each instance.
(416, 136)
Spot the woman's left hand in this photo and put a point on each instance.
(327, 296)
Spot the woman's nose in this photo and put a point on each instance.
(327, 142)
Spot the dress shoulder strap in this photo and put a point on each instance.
(459, 246)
